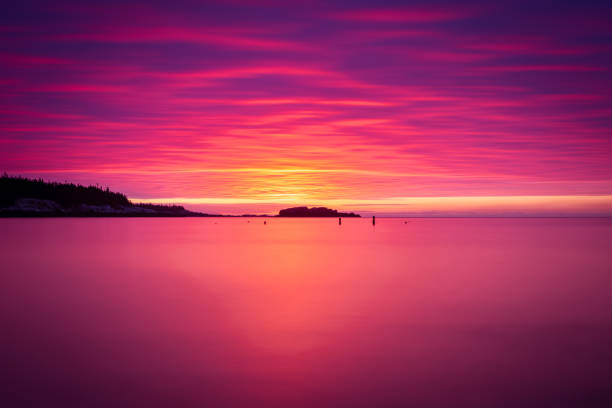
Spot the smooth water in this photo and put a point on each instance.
(306, 313)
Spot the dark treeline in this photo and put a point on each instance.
(24, 197)
(313, 212)
(67, 195)
(165, 207)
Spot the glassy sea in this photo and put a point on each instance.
(229, 312)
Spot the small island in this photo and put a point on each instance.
(24, 197)
(313, 212)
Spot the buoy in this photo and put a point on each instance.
(264, 222)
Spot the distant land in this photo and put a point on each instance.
(24, 197)
(313, 212)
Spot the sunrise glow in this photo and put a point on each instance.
(402, 109)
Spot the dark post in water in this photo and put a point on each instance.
(339, 221)
(373, 220)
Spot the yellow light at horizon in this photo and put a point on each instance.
(458, 203)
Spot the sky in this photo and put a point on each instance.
(400, 108)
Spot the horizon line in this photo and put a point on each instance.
(432, 206)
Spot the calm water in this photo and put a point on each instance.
(306, 313)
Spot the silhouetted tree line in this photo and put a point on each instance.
(313, 212)
(66, 194)
(74, 199)
(161, 207)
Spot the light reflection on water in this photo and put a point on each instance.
(304, 312)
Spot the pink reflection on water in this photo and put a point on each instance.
(221, 312)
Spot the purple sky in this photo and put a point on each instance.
(499, 107)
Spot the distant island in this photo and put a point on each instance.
(313, 212)
(24, 197)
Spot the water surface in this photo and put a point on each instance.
(306, 313)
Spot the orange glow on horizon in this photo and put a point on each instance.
(424, 205)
